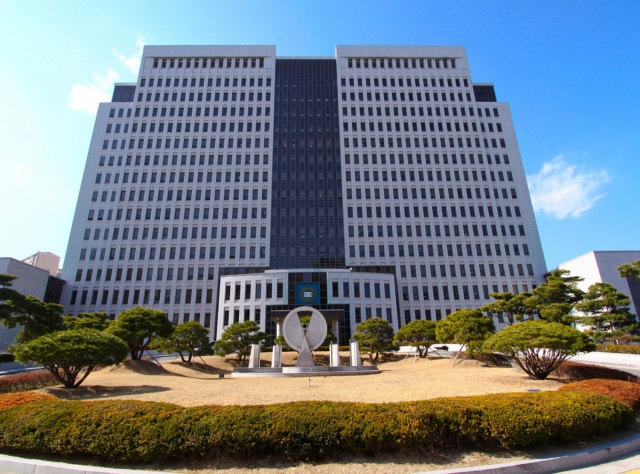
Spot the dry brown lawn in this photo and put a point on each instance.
(200, 384)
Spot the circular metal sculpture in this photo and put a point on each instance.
(302, 337)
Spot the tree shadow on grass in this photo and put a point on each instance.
(97, 392)
(201, 367)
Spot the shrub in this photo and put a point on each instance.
(136, 431)
(576, 371)
(67, 353)
(188, 339)
(625, 392)
(539, 347)
(374, 336)
(139, 327)
(238, 338)
(618, 348)
(420, 334)
(468, 327)
(6, 357)
(30, 380)
(10, 400)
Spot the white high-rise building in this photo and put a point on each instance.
(229, 184)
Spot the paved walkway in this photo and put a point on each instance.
(626, 465)
(626, 362)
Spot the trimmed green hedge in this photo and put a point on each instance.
(135, 431)
(618, 348)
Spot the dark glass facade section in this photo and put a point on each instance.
(484, 93)
(306, 211)
(53, 292)
(123, 93)
(634, 290)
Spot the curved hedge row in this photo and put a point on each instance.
(10, 400)
(134, 431)
(618, 348)
(576, 371)
(625, 392)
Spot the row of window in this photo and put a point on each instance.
(403, 97)
(434, 211)
(411, 111)
(408, 231)
(375, 175)
(445, 292)
(454, 271)
(200, 81)
(366, 159)
(405, 63)
(374, 252)
(180, 194)
(204, 96)
(187, 127)
(128, 214)
(235, 290)
(437, 230)
(394, 193)
(129, 161)
(236, 316)
(187, 142)
(156, 233)
(214, 111)
(180, 253)
(207, 62)
(401, 82)
(217, 195)
(400, 126)
(144, 297)
(427, 158)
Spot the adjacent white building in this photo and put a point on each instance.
(31, 281)
(600, 266)
(46, 260)
(229, 184)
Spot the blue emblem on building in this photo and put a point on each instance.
(308, 293)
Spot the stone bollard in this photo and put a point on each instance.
(334, 355)
(276, 356)
(355, 354)
(254, 358)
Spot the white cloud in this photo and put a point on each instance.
(87, 98)
(24, 174)
(562, 190)
(133, 62)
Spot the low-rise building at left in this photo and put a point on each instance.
(32, 281)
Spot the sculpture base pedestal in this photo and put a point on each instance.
(317, 371)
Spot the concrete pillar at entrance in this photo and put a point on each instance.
(334, 355)
(335, 329)
(355, 354)
(276, 356)
(278, 328)
(254, 358)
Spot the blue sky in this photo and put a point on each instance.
(568, 70)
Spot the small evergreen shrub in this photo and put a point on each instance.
(10, 400)
(136, 431)
(25, 381)
(575, 371)
(625, 392)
